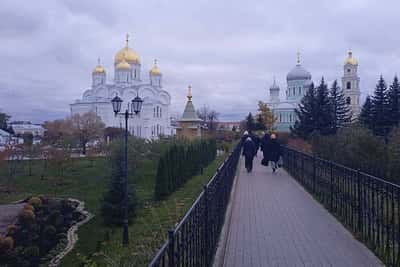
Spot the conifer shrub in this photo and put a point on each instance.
(181, 161)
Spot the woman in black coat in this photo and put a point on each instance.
(264, 148)
(274, 152)
(249, 151)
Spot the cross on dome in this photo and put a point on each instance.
(189, 96)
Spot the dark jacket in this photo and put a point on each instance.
(256, 141)
(264, 146)
(249, 149)
(274, 150)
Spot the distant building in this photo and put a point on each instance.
(21, 127)
(351, 84)
(190, 125)
(298, 81)
(5, 137)
(229, 125)
(154, 119)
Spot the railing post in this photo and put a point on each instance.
(359, 202)
(171, 248)
(331, 185)
(314, 173)
(206, 225)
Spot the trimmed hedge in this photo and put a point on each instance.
(181, 161)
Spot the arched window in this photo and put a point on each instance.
(348, 100)
(348, 85)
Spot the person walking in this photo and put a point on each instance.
(264, 148)
(256, 141)
(274, 152)
(249, 151)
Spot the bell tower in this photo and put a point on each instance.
(351, 84)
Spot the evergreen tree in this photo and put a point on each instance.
(260, 123)
(324, 118)
(250, 124)
(365, 117)
(394, 103)
(380, 109)
(341, 113)
(112, 208)
(306, 114)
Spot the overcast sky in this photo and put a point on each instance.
(227, 50)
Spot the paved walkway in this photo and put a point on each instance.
(274, 222)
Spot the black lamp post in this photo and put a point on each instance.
(133, 109)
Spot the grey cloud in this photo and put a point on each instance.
(228, 50)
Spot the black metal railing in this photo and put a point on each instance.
(367, 205)
(193, 241)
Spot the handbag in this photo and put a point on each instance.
(264, 162)
(280, 162)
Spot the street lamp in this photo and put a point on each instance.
(136, 107)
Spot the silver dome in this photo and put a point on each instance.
(298, 73)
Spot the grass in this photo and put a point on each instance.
(88, 182)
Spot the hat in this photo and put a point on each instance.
(245, 133)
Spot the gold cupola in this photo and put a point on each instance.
(123, 65)
(99, 69)
(155, 70)
(126, 54)
(350, 59)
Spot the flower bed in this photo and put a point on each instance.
(40, 232)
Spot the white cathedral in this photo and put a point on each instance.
(153, 120)
(298, 81)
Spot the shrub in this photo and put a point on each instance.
(11, 229)
(181, 161)
(6, 243)
(29, 207)
(27, 216)
(31, 252)
(35, 201)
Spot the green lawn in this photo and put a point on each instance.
(88, 182)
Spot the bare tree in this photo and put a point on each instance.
(209, 117)
(86, 127)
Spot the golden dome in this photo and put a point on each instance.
(123, 65)
(155, 70)
(350, 59)
(126, 54)
(99, 68)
